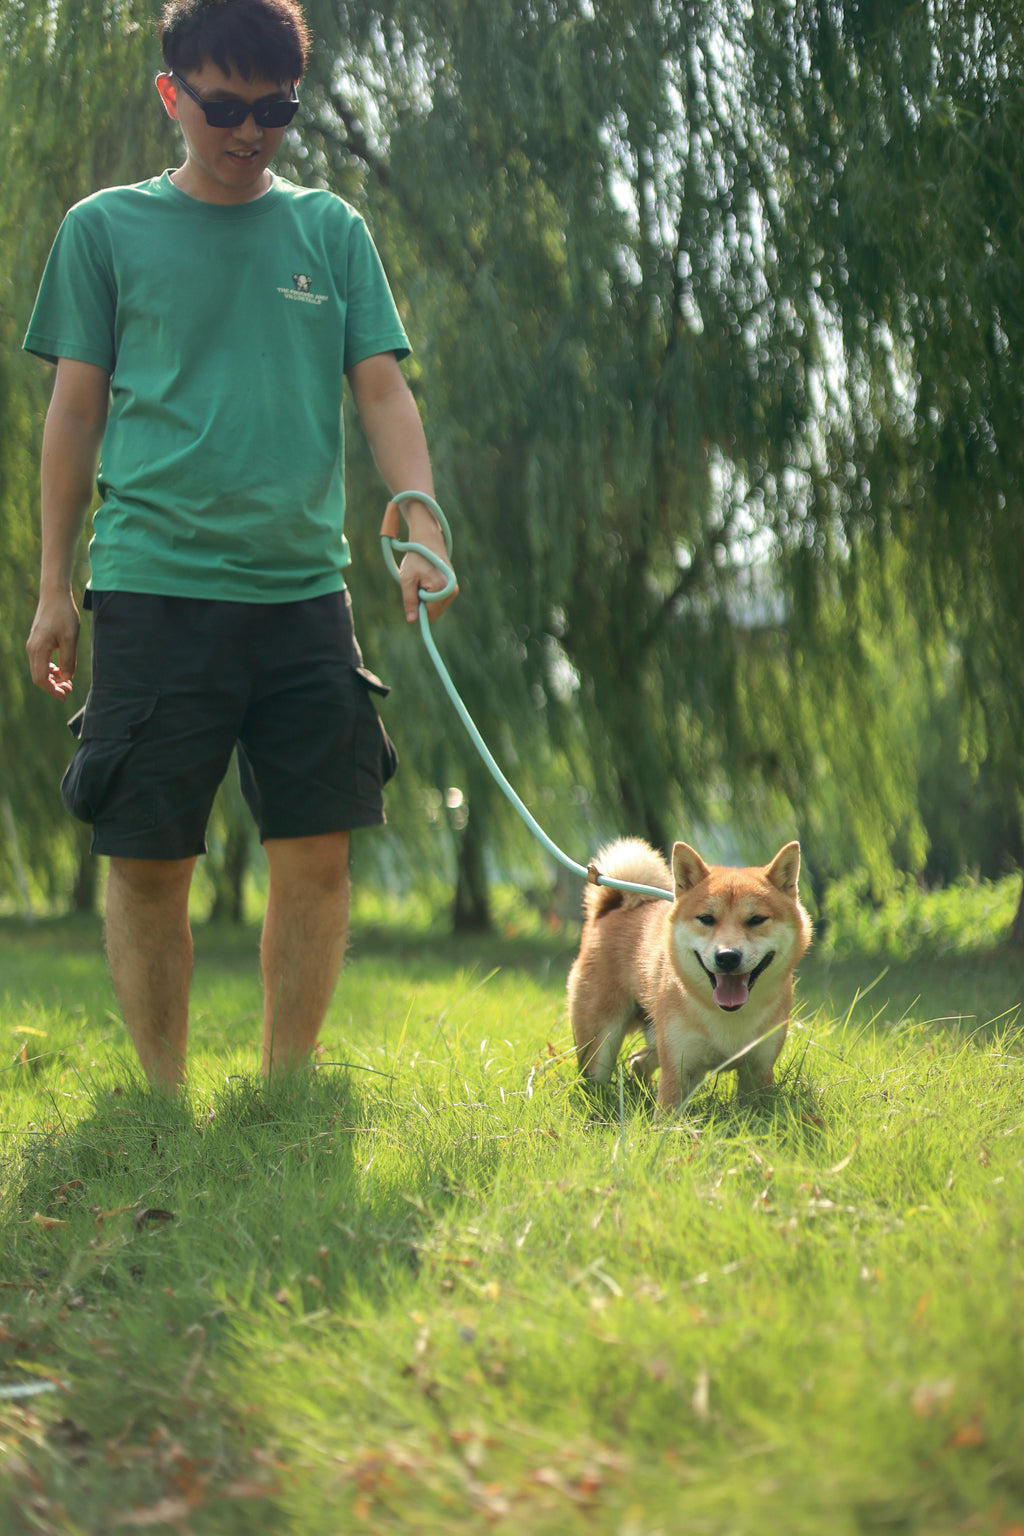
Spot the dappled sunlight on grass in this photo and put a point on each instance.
(434, 1284)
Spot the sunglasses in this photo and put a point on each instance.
(268, 112)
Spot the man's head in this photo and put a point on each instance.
(257, 39)
(225, 58)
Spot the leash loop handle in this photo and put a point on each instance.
(390, 542)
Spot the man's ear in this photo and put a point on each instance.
(168, 94)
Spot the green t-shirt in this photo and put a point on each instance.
(227, 331)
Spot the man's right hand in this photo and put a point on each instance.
(54, 632)
(71, 443)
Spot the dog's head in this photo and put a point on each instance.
(729, 927)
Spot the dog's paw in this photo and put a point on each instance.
(643, 1064)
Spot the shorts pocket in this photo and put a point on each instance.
(106, 729)
(371, 681)
(376, 760)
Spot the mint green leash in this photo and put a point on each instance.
(390, 544)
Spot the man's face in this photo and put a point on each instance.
(222, 165)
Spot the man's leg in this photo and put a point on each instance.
(304, 934)
(149, 948)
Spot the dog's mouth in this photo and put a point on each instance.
(731, 989)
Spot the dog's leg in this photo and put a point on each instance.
(750, 1080)
(682, 1066)
(757, 1068)
(600, 1015)
(674, 1087)
(644, 1063)
(599, 1050)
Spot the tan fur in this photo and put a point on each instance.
(652, 965)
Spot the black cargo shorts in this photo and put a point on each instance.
(178, 683)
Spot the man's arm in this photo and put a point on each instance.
(71, 444)
(391, 422)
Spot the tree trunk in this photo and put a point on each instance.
(86, 890)
(229, 876)
(640, 818)
(20, 874)
(1017, 926)
(471, 912)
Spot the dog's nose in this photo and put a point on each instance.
(727, 960)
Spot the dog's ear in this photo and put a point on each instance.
(688, 868)
(784, 870)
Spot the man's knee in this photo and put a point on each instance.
(152, 880)
(316, 864)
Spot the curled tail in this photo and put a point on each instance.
(632, 860)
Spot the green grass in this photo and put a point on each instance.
(435, 1287)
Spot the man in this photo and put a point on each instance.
(202, 324)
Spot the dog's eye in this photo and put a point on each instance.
(707, 918)
(756, 921)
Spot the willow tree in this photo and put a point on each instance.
(899, 128)
(715, 313)
(75, 115)
(625, 366)
(77, 112)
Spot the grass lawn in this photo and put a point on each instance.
(434, 1287)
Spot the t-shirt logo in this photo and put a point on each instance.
(302, 290)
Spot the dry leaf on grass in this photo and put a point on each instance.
(164, 1512)
(151, 1213)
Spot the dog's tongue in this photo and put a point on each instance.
(731, 991)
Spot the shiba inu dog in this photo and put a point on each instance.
(704, 977)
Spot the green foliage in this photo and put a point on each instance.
(913, 224)
(716, 315)
(911, 921)
(75, 115)
(434, 1286)
(672, 326)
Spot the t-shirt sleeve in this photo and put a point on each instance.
(372, 322)
(74, 314)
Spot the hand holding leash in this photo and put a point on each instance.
(409, 575)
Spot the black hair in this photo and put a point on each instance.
(259, 39)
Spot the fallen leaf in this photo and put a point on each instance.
(931, 1397)
(967, 1436)
(244, 1488)
(46, 1222)
(151, 1213)
(70, 1436)
(101, 1216)
(589, 1482)
(165, 1512)
(846, 1161)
